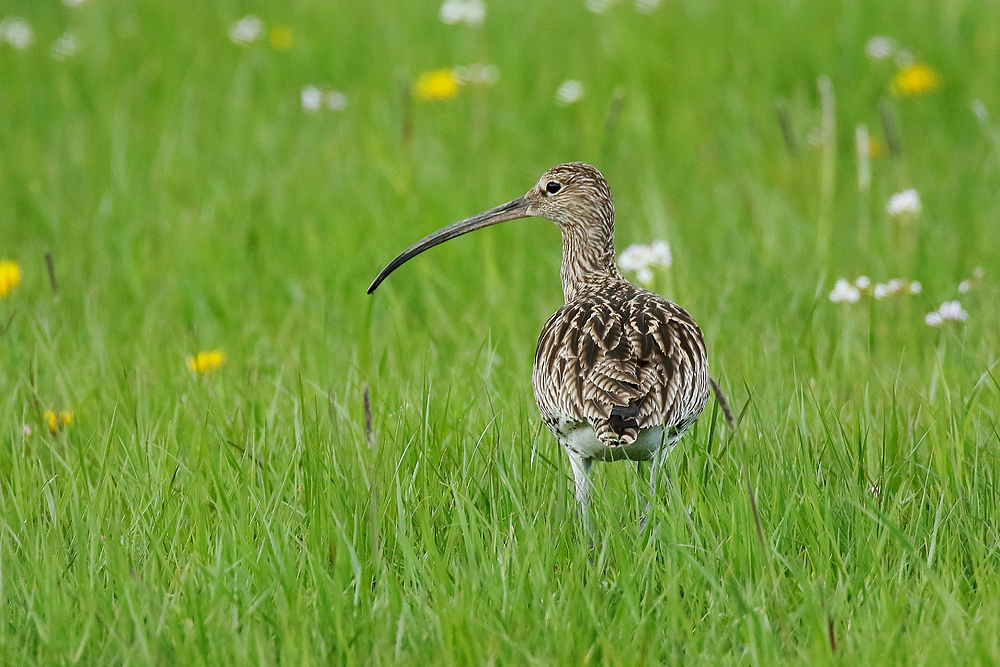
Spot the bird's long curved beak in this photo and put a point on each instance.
(512, 210)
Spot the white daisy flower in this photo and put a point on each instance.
(569, 92)
(247, 30)
(646, 6)
(964, 286)
(862, 282)
(907, 201)
(844, 292)
(17, 32)
(978, 273)
(916, 288)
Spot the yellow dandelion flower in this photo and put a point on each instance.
(876, 147)
(203, 362)
(57, 421)
(281, 38)
(915, 79)
(10, 276)
(441, 84)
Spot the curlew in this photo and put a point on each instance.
(620, 373)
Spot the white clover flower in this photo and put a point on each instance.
(894, 287)
(980, 111)
(26, 431)
(335, 100)
(451, 12)
(907, 201)
(599, 6)
(661, 254)
(642, 259)
(569, 92)
(65, 47)
(844, 292)
(950, 311)
(247, 30)
(470, 12)
(475, 13)
(646, 6)
(477, 73)
(862, 282)
(17, 32)
(312, 98)
(879, 47)
(978, 273)
(882, 290)
(964, 286)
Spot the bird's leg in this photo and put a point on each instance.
(581, 478)
(640, 469)
(654, 469)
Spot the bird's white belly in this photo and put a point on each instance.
(583, 441)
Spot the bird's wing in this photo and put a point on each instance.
(623, 361)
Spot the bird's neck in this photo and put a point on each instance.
(588, 257)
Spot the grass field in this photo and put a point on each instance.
(190, 203)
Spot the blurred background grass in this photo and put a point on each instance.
(190, 203)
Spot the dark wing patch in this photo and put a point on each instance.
(623, 359)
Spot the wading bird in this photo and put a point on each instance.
(619, 372)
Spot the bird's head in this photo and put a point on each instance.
(574, 196)
(571, 194)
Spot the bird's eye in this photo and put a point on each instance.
(552, 187)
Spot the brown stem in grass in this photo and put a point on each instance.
(890, 132)
(723, 403)
(50, 265)
(787, 132)
(369, 431)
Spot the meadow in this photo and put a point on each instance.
(161, 508)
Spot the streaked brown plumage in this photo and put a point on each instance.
(619, 372)
(621, 359)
